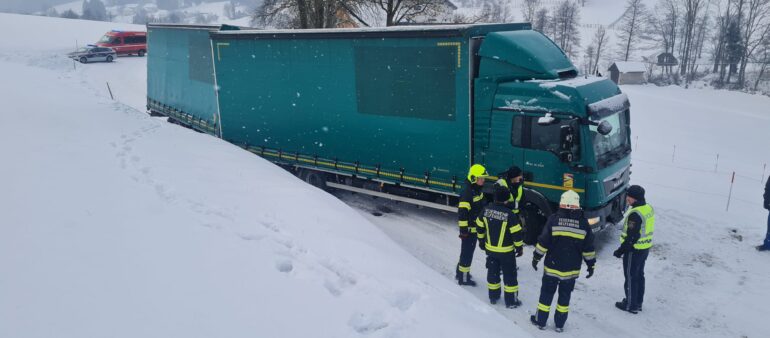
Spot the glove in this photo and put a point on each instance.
(618, 253)
(519, 251)
(590, 271)
(464, 233)
(534, 263)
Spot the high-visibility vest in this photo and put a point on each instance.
(511, 199)
(646, 229)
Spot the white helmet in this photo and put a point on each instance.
(570, 200)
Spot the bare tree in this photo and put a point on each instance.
(588, 59)
(600, 40)
(542, 21)
(299, 13)
(631, 27)
(495, 11)
(763, 59)
(692, 10)
(399, 11)
(564, 27)
(529, 10)
(755, 31)
(723, 21)
(664, 26)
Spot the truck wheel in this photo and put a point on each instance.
(315, 178)
(141, 52)
(83, 59)
(533, 214)
(109, 58)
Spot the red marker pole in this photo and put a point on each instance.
(730, 196)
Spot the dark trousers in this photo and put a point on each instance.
(505, 263)
(767, 237)
(547, 290)
(633, 268)
(467, 247)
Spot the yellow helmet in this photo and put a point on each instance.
(477, 171)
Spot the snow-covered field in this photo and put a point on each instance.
(117, 224)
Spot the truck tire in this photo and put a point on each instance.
(141, 52)
(533, 214)
(314, 178)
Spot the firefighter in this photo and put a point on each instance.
(565, 242)
(471, 202)
(513, 180)
(635, 244)
(766, 245)
(499, 233)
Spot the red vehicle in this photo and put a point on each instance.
(125, 43)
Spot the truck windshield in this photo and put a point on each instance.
(614, 146)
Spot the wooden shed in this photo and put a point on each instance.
(627, 72)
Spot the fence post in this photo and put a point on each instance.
(673, 154)
(110, 90)
(730, 196)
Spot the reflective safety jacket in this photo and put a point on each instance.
(515, 197)
(566, 241)
(499, 229)
(638, 227)
(471, 202)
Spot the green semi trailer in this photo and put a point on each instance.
(403, 112)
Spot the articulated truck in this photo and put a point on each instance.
(403, 112)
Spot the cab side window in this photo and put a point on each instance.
(548, 138)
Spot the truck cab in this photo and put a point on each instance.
(566, 132)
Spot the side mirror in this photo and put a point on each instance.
(567, 137)
(604, 128)
(546, 120)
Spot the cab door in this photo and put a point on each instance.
(505, 141)
(545, 165)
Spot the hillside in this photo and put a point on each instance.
(122, 225)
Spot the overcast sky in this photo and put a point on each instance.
(28, 6)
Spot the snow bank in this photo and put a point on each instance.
(117, 224)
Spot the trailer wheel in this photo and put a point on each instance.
(316, 179)
(533, 214)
